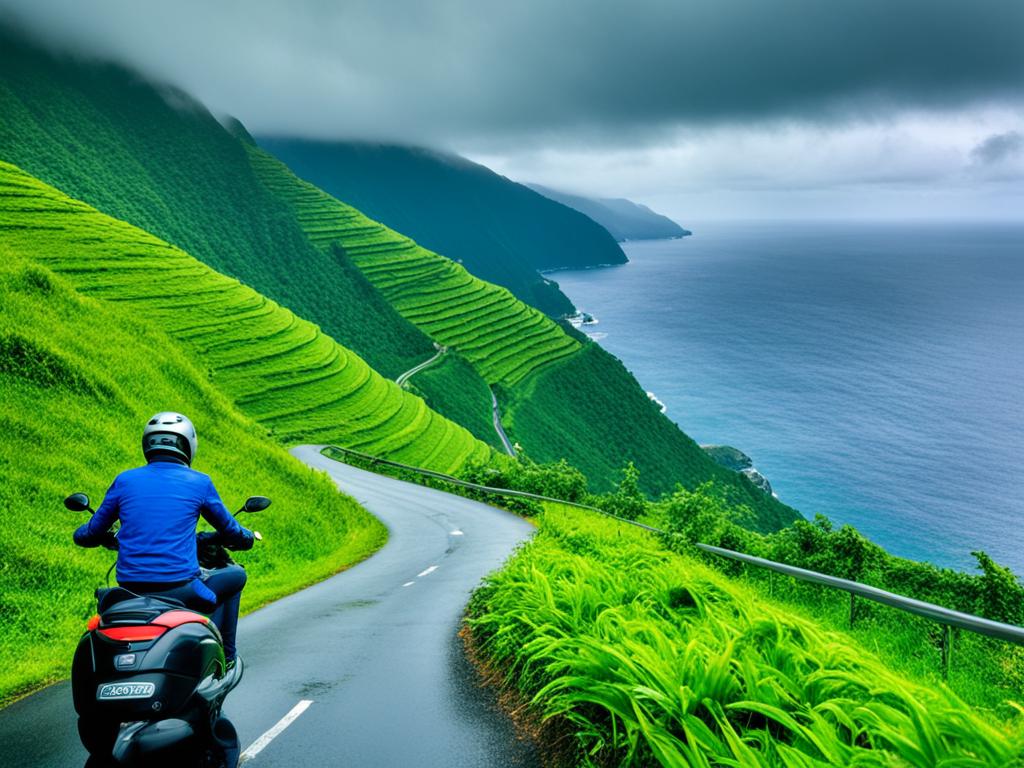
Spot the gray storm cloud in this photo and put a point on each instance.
(722, 108)
(458, 72)
(999, 147)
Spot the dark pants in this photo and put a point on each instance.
(217, 593)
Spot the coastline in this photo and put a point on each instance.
(552, 270)
(851, 434)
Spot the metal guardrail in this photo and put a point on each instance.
(949, 618)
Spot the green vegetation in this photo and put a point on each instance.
(501, 231)
(154, 157)
(78, 379)
(281, 370)
(453, 387)
(560, 398)
(591, 411)
(649, 657)
(502, 337)
(986, 672)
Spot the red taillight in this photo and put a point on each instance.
(177, 618)
(134, 634)
(93, 623)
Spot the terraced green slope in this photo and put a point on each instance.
(156, 158)
(280, 369)
(563, 397)
(78, 379)
(504, 339)
(502, 231)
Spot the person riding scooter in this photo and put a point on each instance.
(159, 505)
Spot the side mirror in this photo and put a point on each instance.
(256, 504)
(77, 502)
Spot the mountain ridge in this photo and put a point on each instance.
(624, 219)
(502, 231)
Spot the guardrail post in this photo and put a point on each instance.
(853, 608)
(947, 649)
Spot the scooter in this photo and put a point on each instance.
(149, 678)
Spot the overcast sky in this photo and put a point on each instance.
(714, 109)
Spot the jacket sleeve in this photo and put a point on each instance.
(96, 531)
(232, 534)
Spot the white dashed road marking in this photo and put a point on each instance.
(260, 744)
(427, 572)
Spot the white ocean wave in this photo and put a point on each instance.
(657, 402)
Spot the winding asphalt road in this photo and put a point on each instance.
(496, 417)
(374, 649)
(402, 378)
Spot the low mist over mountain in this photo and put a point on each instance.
(624, 219)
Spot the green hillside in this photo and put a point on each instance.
(154, 157)
(157, 160)
(561, 396)
(503, 232)
(453, 388)
(592, 412)
(645, 657)
(502, 337)
(78, 379)
(283, 371)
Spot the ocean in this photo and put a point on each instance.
(873, 372)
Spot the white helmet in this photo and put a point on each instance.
(172, 434)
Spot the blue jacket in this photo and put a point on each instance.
(159, 506)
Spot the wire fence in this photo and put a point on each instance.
(948, 618)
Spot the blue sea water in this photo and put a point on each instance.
(872, 371)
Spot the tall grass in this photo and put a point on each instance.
(653, 658)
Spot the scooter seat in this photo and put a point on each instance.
(117, 605)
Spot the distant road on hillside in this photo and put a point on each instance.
(496, 415)
(400, 381)
(374, 649)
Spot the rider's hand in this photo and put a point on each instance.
(110, 541)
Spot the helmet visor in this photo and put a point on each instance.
(167, 442)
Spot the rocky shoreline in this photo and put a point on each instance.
(736, 460)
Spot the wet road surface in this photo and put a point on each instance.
(364, 669)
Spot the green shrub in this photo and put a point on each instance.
(1002, 597)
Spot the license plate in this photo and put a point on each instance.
(126, 691)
